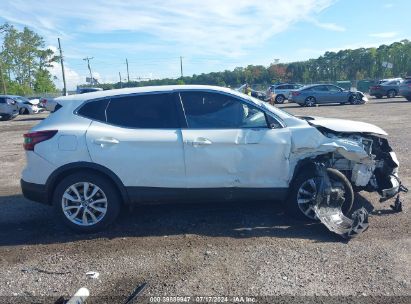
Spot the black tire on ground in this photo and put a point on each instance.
(378, 96)
(391, 94)
(110, 191)
(279, 99)
(408, 98)
(310, 101)
(5, 117)
(337, 178)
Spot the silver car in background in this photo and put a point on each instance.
(278, 93)
(8, 108)
(312, 95)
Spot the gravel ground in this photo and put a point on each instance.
(245, 249)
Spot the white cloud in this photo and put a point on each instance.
(226, 27)
(327, 25)
(384, 35)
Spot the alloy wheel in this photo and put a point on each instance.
(310, 101)
(84, 204)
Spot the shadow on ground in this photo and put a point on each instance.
(24, 223)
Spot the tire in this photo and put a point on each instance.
(391, 94)
(279, 99)
(378, 96)
(310, 101)
(301, 183)
(355, 100)
(21, 111)
(408, 98)
(5, 117)
(104, 204)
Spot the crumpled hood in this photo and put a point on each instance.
(345, 126)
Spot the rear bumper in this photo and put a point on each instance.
(34, 192)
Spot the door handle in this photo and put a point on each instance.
(201, 141)
(106, 141)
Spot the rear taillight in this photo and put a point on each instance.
(376, 87)
(31, 139)
(295, 93)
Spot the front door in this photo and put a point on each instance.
(228, 143)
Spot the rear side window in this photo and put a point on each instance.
(151, 111)
(95, 110)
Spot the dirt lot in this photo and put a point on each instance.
(207, 250)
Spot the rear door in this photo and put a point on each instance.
(139, 139)
(228, 143)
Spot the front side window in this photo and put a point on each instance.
(151, 111)
(206, 110)
(333, 89)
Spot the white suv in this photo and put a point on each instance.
(101, 151)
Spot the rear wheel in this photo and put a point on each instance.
(304, 192)
(279, 99)
(378, 96)
(310, 101)
(391, 94)
(408, 98)
(86, 202)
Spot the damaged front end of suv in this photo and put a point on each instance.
(346, 157)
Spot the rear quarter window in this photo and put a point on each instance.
(95, 110)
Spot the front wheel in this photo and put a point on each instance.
(304, 191)
(86, 202)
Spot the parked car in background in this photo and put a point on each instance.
(278, 93)
(88, 90)
(389, 88)
(8, 108)
(101, 151)
(405, 88)
(312, 95)
(26, 106)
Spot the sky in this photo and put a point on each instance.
(210, 36)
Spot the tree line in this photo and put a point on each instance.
(344, 65)
(24, 62)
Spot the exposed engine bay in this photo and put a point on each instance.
(367, 161)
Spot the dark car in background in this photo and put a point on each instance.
(405, 88)
(312, 95)
(386, 87)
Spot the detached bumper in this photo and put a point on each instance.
(34, 192)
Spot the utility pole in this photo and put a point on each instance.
(121, 84)
(181, 66)
(62, 69)
(2, 79)
(89, 68)
(128, 74)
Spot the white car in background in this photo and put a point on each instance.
(26, 106)
(99, 152)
